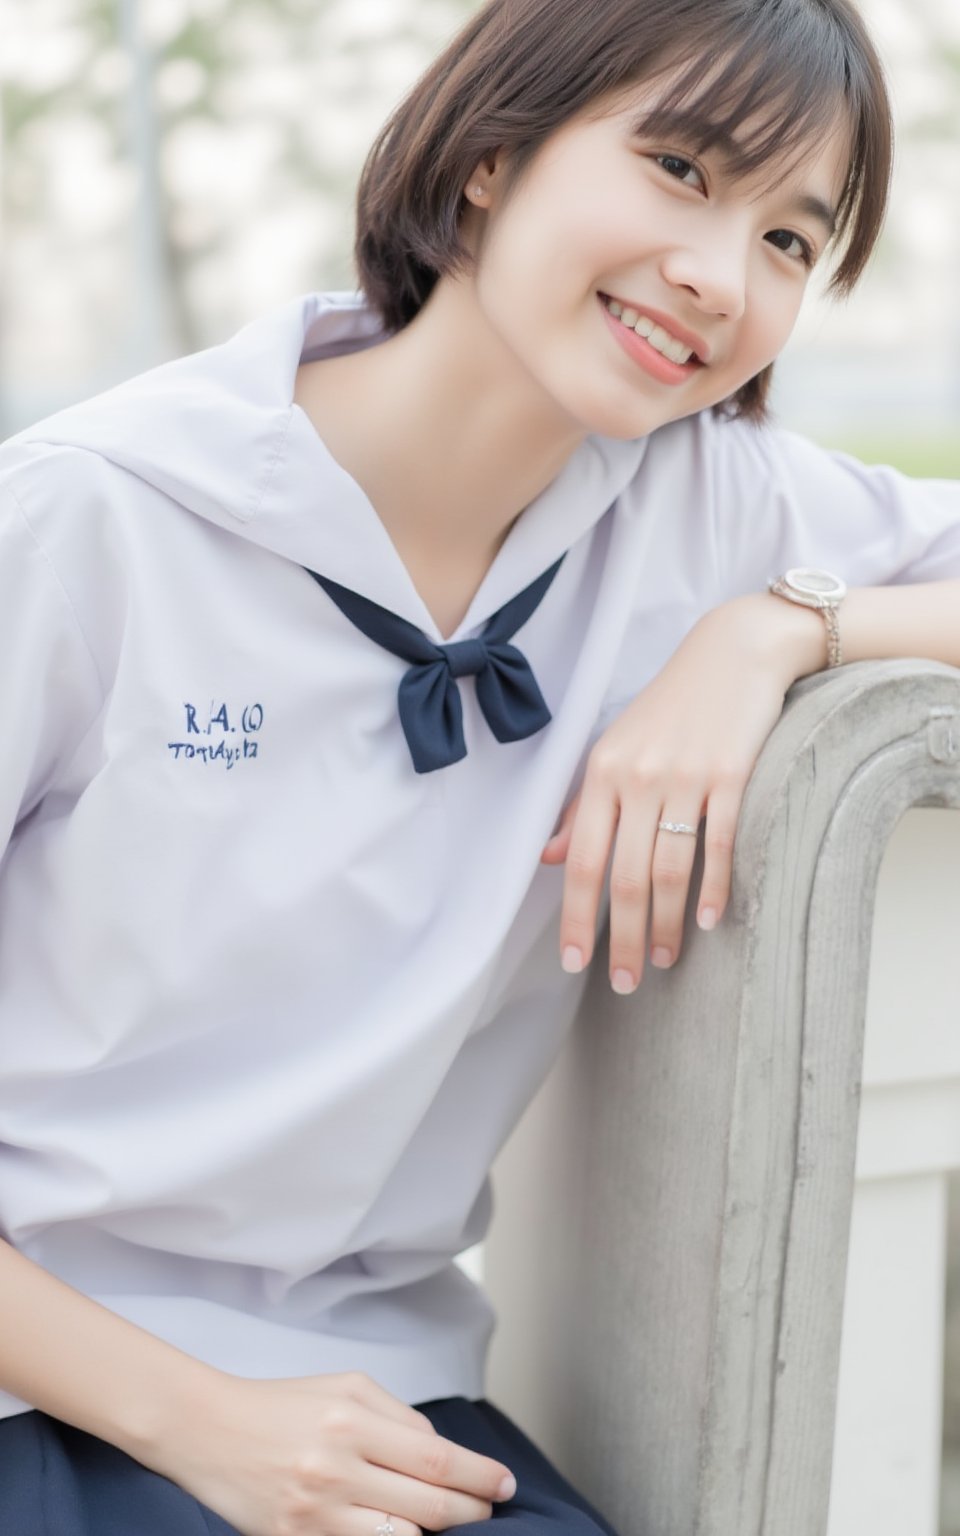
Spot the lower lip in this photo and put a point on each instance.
(654, 363)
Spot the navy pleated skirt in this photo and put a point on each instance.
(58, 1481)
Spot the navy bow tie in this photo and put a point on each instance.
(431, 711)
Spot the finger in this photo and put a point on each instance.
(556, 847)
(630, 893)
(363, 1389)
(673, 855)
(440, 1461)
(426, 1504)
(587, 858)
(369, 1522)
(723, 814)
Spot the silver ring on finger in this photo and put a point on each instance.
(677, 826)
(386, 1529)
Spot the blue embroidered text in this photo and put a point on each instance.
(218, 725)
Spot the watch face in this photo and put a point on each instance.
(816, 583)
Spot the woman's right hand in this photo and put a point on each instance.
(325, 1456)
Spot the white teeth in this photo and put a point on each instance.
(658, 338)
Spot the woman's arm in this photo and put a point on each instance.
(921, 620)
(79, 1362)
(324, 1447)
(686, 748)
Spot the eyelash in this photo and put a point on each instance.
(807, 254)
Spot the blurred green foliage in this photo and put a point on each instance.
(936, 458)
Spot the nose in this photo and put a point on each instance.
(713, 269)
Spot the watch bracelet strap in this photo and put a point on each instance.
(829, 612)
(834, 649)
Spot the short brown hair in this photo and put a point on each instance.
(520, 69)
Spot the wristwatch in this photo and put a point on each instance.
(815, 589)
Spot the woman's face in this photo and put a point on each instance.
(603, 218)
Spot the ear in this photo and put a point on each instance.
(477, 193)
(481, 187)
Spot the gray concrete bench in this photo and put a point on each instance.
(669, 1251)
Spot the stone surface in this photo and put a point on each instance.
(669, 1254)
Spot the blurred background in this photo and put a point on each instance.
(171, 168)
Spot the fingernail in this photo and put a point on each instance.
(572, 959)
(622, 982)
(507, 1488)
(707, 918)
(661, 957)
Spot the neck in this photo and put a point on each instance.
(447, 434)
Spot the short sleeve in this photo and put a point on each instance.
(49, 687)
(779, 500)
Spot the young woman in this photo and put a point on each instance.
(344, 656)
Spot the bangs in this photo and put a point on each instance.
(772, 91)
(761, 113)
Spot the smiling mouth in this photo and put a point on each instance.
(670, 347)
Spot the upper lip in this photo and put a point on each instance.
(689, 338)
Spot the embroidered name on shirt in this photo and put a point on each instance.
(217, 725)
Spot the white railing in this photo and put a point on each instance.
(887, 1458)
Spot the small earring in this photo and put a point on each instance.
(479, 191)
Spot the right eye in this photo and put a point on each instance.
(681, 169)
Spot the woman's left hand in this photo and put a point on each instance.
(684, 748)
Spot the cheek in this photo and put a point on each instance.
(785, 330)
(529, 272)
(557, 241)
(774, 320)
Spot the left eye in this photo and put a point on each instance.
(791, 245)
(681, 169)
